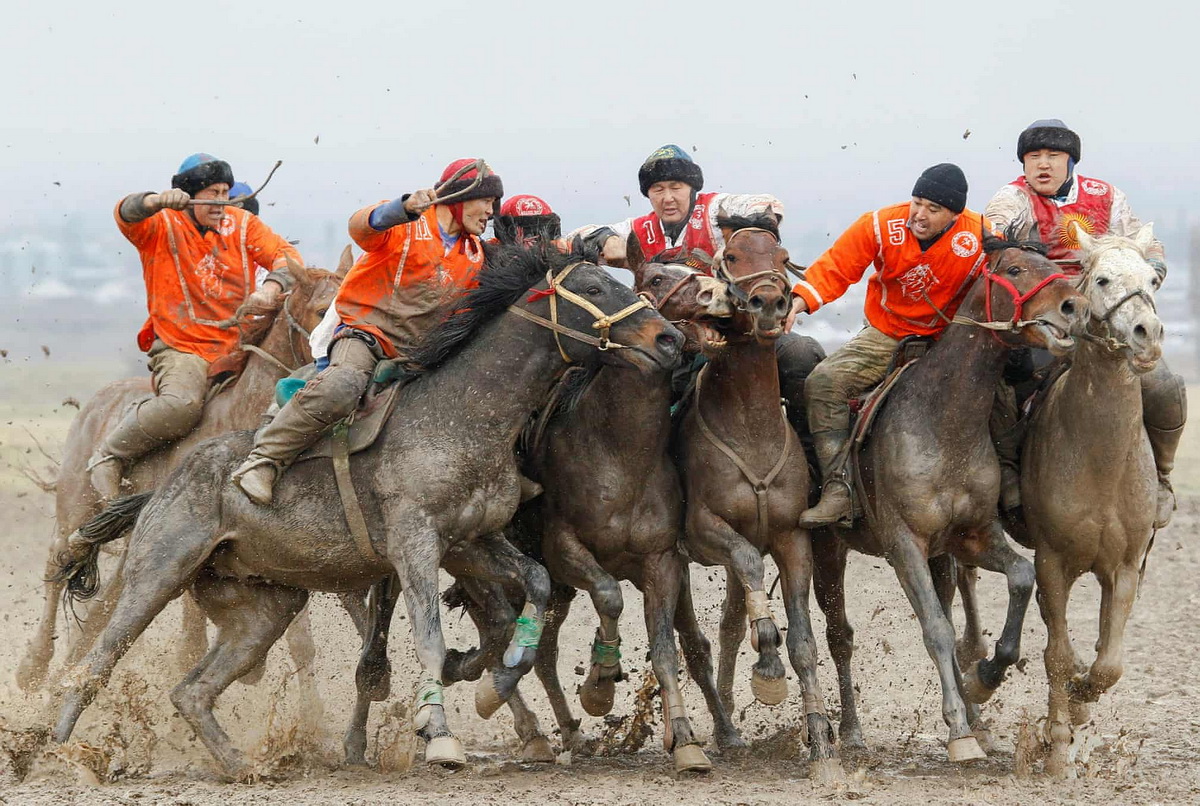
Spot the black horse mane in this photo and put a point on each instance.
(507, 273)
(1011, 239)
(765, 221)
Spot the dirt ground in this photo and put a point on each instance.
(1143, 745)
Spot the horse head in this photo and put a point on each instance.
(686, 296)
(753, 266)
(309, 300)
(1119, 285)
(1026, 300)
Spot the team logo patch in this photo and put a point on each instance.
(528, 206)
(1067, 234)
(227, 225)
(914, 281)
(1093, 188)
(964, 244)
(697, 220)
(209, 274)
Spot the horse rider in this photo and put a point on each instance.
(926, 252)
(420, 255)
(1053, 197)
(242, 189)
(526, 220)
(683, 223)
(201, 263)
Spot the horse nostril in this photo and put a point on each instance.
(705, 298)
(667, 342)
(755, 303)
(1140, 332)
(782, 306)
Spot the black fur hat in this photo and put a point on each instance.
(669, 163)
(1050, 133)
(199, 171)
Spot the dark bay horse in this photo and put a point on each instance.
(932, 479)
(437, 483)
(1088, 479)
(284, 348)
(612, 509)
(747, 480)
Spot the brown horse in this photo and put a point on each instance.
(1088, 480)
(284, 348)
(612, 509)
(931, 476)
(747, 481)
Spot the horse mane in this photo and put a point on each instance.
(765, 221)
(1109, 242)
(1011, 239)
(507, 273)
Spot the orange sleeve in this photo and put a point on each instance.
(267, 248)
(841, 265)
(371, 239)
(139, 233)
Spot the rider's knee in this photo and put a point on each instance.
(1164, 398)
(171, 416)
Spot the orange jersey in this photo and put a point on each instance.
(194, 280)
(907, 283)
(406, 282)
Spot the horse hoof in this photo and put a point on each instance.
(690, 758)
(1081, 713)
(965, 750)
(826, 771)
(487, 699)
(537, 751)
(973, 689)
(445, 751)
(769, 691)
(596, 695)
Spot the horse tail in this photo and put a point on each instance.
(79, 565)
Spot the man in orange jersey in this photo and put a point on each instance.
(1050, 198)
(420, 256)
(200, 263)
(926, 253)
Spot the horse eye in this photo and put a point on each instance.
(594, 291)
(731, 258)
(656, 281)
(321, 313)
(1102, 281)
(1013, 271)
(1155, 283)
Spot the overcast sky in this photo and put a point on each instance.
(835, 107)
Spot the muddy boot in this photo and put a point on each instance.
(836, 505)
(275, 447)
(124, 444)
(1164, 444)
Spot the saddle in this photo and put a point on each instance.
(363, 427)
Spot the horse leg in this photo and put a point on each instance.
(546, 667)
(829, 578)
(793, 554)
(535, 747)
(1119, 589)
(418, 558)
(574, 565)
(491, 610)
(250, 618)
(373, 677)
(357, 609)
(982, 680)
(1053, 593)
(661, 575)
(493, 559)
(31, 672)
(971, 647)
(697, 652)
(947, 576)
(195, 636)
(732, 632)
(912, 569)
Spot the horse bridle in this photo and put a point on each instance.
(1111, 343)
(294, 327)
(769, 277)
(604, 321)
(1015, 324)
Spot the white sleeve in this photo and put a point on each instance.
(1009, 206)
(1123, 222)
(621, 229)
(322, 334)
(748, 205)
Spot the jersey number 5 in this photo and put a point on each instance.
(895, 232)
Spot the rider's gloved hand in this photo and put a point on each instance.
(173, 199)
(265, 299)
(419, 201)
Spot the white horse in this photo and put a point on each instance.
(1088, 479)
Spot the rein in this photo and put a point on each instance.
(1016, 323)
(293, 327)
(604, 321)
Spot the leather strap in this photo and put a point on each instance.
(340, 445)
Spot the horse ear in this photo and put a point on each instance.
(635, 258)
(1086, 242)
(299, 273)
(1144, 237)
(345, 261)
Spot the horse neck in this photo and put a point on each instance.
(740, 390)
(1100, 398)
(504, 373)
(958, 380)
(254, 391)
(629, 406)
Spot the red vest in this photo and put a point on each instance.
(1092, 210)
(697, 235)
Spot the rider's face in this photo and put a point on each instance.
(475, 215)
(670, 200)
(210, 215)
(926, 218)
(1046, 170)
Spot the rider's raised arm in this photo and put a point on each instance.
(748, 205)
(1123, 222)
(368, 236)
(1010, 206)
(841, 265)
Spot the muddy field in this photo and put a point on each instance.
(1143, 745)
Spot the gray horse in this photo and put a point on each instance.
(1088, 479)
(435, 488)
